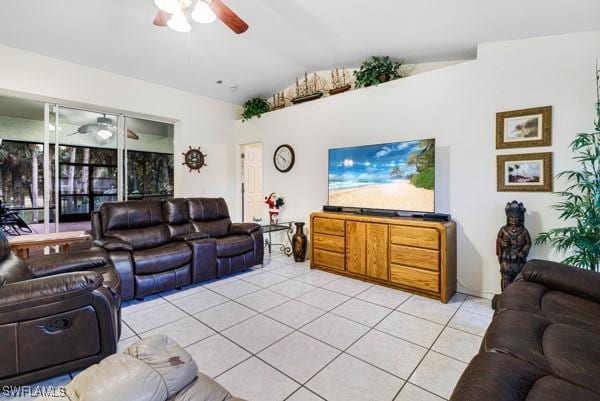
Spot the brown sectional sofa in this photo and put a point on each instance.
(543, 341)
(161, 245)
(58, 313)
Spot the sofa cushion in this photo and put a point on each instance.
(130, 214)
(207, 209)
(147, 284)
(161, 258)
(176, 211)
(569, 309)
(559, 307)
(177, 216)
(210, 216)
(558, 349)
(214, 228)
(243, 228)
(234, 245)
(493, 376)
(143, 237)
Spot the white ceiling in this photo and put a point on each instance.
(286, 37)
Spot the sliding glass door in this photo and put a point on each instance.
(21, 166)
(149, 160)
(59, 164)
(84, 151)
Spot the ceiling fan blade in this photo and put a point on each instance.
(161, 18)
(132, 135)
(228, 17)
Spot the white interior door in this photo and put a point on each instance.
(252, 166)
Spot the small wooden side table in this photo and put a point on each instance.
(22, 244)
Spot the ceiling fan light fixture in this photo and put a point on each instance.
(104, 134)
(203, 14)
(168, 6)
(179, 23)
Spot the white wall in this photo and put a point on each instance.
(457, 105)
(199, 121)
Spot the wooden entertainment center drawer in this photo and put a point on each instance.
(418, 278)
(329, 242)
(329, 226)
(332, 260)
(415, 257)
(415, 236)
(406, 253)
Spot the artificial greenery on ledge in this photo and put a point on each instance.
(255, 107)
(377, 70)
(581, 202)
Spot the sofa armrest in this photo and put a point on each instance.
(113, 244)
(191, 236)
(243, 228)
(565, 278)
(42, 291)
(59, 263)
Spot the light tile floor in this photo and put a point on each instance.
(284, 332)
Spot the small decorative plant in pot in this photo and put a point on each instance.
(377, 70)
(255, 107)
(580, 205)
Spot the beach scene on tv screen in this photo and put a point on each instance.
(397, 176)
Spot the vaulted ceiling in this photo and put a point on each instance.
(286, 37)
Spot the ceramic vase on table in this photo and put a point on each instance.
(299, 243)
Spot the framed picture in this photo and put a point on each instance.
(529, 172)
(524, 128)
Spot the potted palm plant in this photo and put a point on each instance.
(581, 202)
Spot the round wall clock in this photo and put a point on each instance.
(284, 158)
(194, 159)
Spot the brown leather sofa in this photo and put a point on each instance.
(162, 245)
(58, 313)
(543, 341)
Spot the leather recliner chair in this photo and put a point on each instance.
(238, 246)
(58, 313)
(140, 247)
(161, 245)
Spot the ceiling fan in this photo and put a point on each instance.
(171, 13)
(104, 128)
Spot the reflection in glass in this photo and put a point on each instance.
(149, 159)
(21, 166)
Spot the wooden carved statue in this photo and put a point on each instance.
(513, 243)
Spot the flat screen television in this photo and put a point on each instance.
(392, 176)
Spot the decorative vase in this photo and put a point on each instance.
(299, 242)
(274, 217)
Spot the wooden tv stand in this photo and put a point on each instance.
(407, 253)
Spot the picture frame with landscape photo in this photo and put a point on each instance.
(524, 128)
(529, 172)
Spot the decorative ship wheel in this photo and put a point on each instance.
(194, 159)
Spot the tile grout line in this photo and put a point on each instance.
(358, 339)
(427, 353)
(324, 312)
